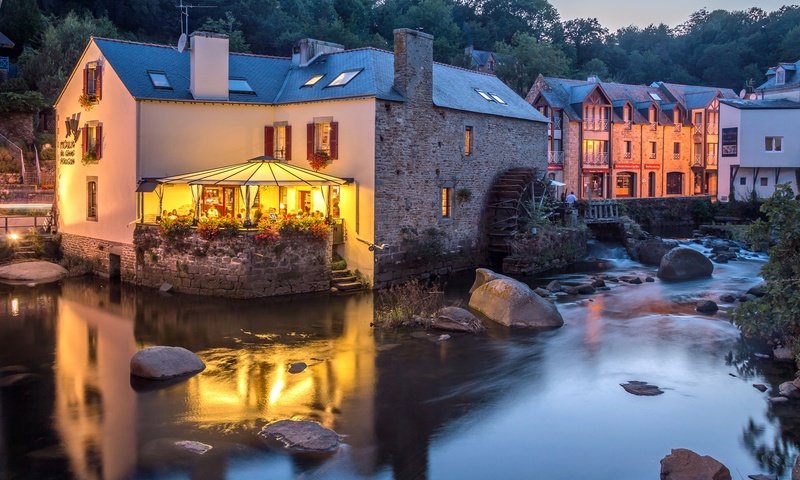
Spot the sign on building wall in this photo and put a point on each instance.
(730, 142)
(67, 151)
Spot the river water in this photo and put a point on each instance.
(504, 405)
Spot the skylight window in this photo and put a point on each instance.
(498, 99)
(344, 78)
(655, 97)
(240, 85)
(313, 80)
(160, 80)
(484, 95)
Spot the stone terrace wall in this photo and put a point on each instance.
(550, 249)
(233, 267)
(97, 253)
(663, 212)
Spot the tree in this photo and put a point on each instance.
(586, 36)
(21, 21)
(775, 317)
(525, 58)
(47, 68)
(230, 27)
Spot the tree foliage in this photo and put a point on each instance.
(525, 58)
(776, 316)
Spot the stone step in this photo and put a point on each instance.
(340, 273)
(349, 286)
(339, 280)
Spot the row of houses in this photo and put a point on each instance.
(410, 148)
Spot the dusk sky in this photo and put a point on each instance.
(613, 14)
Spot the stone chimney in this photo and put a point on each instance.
(208, 65)
(307, 50)
(413, 64)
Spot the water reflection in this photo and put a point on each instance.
(409, 406)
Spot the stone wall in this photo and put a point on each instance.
(664, 212)
(419, 149)
(233, 266)
(549, 249)
(18, 127)
(98, 253)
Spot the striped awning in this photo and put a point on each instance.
(262, 170)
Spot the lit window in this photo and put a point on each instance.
(498, 99)
(446, 193)
(160, 80)
(344, 78)
(240, 85)
(322, 137)
(484, 94)
(468, 141)
(773, 144)
(91, 198)
(280, 142)
(313, 80)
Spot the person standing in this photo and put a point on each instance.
(571, 199)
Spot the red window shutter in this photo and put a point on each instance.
(98, 82)
(269, 141)
(288, 143)
(85, 141)
(309, 140)
(85, 81)
(98, 142)
(334, 140)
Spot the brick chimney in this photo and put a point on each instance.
(413, 64)
(208, 65)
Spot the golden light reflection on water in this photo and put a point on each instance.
(246, 382)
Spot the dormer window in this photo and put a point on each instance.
(780, 77)
(159, 80)
(344, 78)
(313, 80)
(676, 117)
(240, 85)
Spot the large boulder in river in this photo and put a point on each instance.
(683, 263)
(684, 464)
(652, 250)
(32, 272)
(484, 275)
(162, 363)
(512, 303)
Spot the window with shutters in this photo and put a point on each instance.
(91, 198)
(322, 137)
(92, 142)
(92, 82)
(278, 141)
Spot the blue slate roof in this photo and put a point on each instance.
(792, 78)
(276, 81)
(5, 42)
(777, 104)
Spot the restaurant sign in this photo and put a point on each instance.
(652, 166)
(730, 142)
(626, 165)
(66, 147)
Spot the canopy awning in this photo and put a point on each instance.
(262, 170)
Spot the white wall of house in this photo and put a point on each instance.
(761, 168)
(115, 171)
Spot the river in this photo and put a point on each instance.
(504, 405)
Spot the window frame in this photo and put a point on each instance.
(469, 139)
(238, 91)
(166, 86)
(343, 79)
(743, 181)
(764, 181)
(446, 202)
(91, 199)
(313, 80)
(770, 144)
(670, 185)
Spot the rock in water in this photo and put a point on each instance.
(683, 263)
(796, 469)
(455, 319)
(759, 290)
(783, 354)
(297, 367)
(683, 464)
(727, 298)
(760, 387)
(161, 363)
(652, 250)
(706, 306)
(484, 276)
(789, 390)
(32, 272)
(511, 303)
(300, 436)
(641, 388)
(762, 477)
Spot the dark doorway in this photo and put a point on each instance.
(114, 267)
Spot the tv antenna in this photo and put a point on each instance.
(184, 8)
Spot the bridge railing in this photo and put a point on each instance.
(599, 210)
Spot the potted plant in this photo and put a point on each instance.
(89, 157)
(319, 160)
(86, 102)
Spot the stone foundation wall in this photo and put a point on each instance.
(550, 249)
(236, 266)
(664, 212)
(98, 254)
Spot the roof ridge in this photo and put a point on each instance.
(160, 45)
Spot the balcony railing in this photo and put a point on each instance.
(595, 159)
(678, 127)
(698, 128)
(712, 128)
(676, 156)
(596, 125)
(697, 160)
(653, 126)
(626, 155)
(555, 158)
(651, 155)
(711, 161)
(628, 124)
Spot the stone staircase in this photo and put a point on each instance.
(345, 281)
(25, 249)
